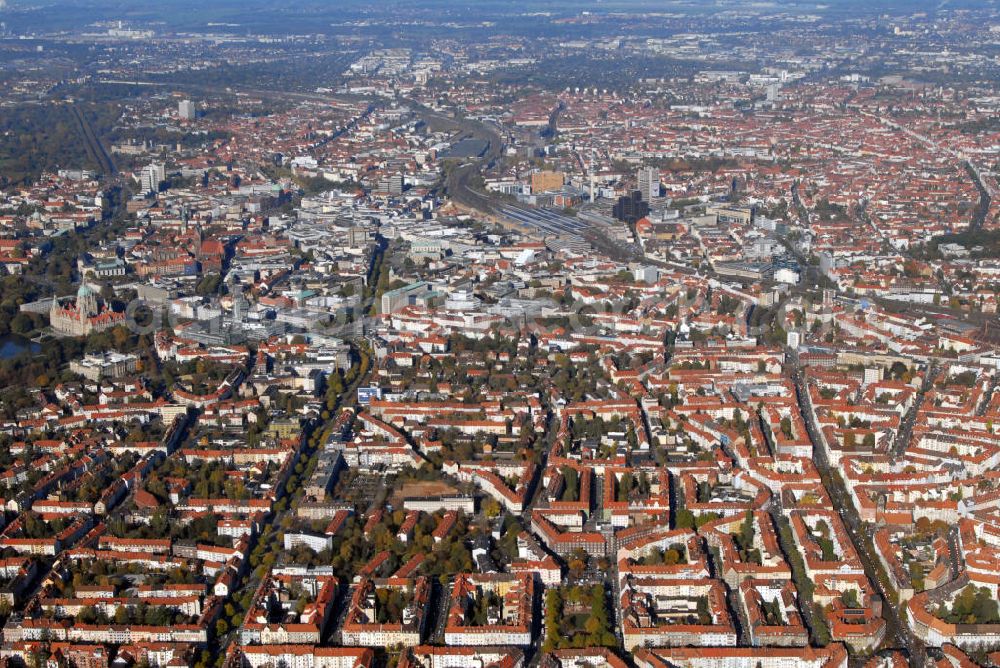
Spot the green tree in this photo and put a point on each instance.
(684, 519)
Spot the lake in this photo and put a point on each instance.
(13, 345)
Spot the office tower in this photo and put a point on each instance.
(186, 110)
(542, 182)
(630, 208)
(649, 183)
(391, 184)
(151, 176)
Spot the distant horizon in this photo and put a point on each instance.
(126, 8)
(411, 333)
(320, 16)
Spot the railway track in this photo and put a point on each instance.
(96, 150)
